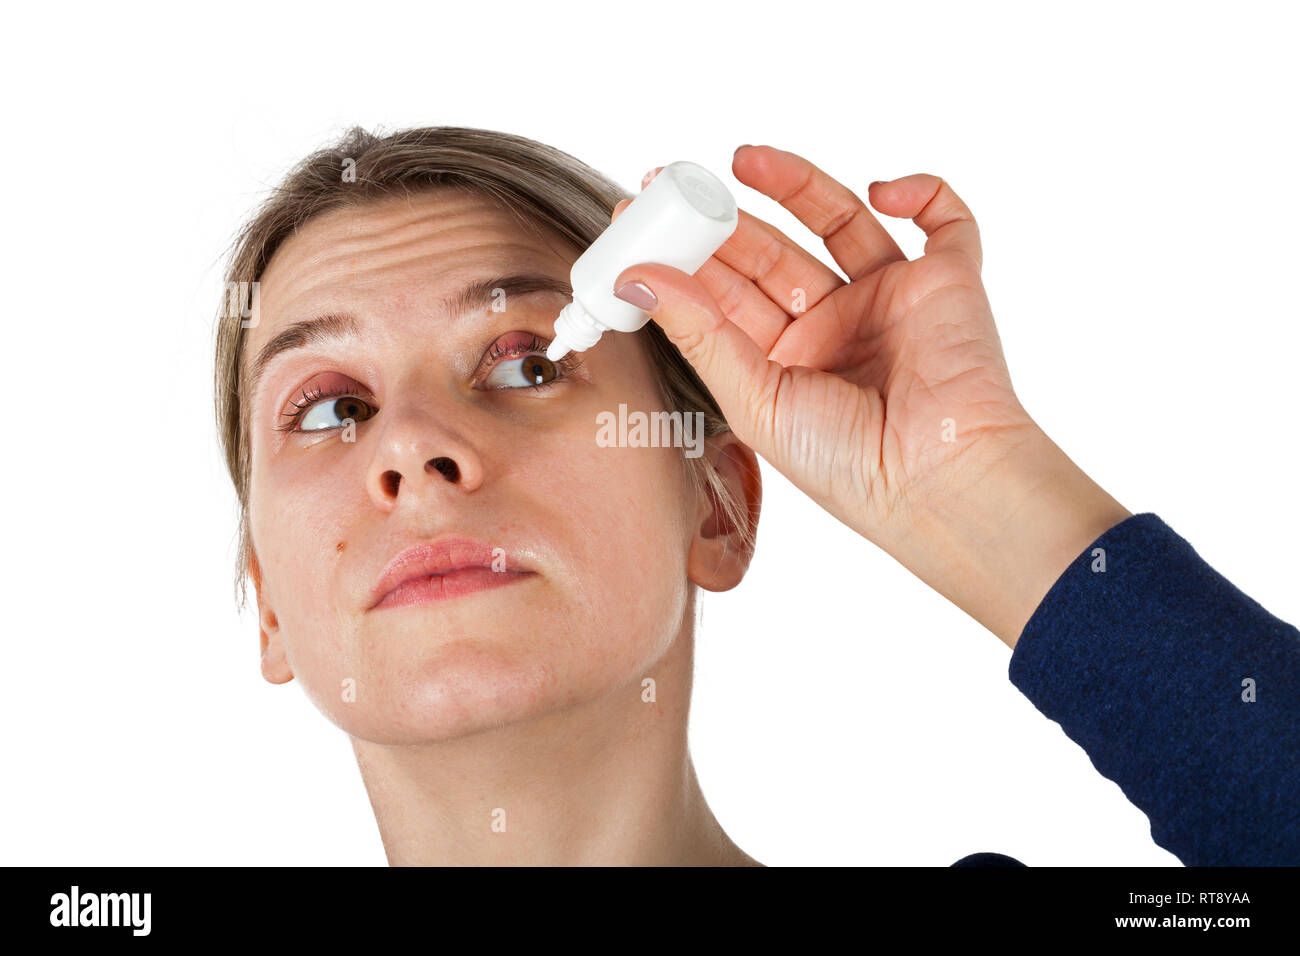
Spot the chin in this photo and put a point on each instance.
(457, 689)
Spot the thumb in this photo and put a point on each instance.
(742, 379)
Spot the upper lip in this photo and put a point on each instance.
(440, 556)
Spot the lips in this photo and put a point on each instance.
(442, 569)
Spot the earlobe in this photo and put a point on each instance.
(275, 665)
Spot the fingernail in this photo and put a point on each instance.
(637, 294)
(739, 148)
(645, 180)
(879, 182)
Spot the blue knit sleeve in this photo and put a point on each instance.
(1180, 688)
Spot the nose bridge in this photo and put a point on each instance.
(422, 449)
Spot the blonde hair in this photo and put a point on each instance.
(540, 185)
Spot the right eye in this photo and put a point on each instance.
(314, 411)
(349, 406)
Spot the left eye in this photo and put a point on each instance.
(349, 406)
(521, 372)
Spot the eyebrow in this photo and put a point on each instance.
(334, 326)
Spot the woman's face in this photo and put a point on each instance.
(605, 532)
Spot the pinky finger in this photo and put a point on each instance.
(932, 204)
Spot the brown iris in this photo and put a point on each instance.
(349, 406)
(538, 369)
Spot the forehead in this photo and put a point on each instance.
(400, 248)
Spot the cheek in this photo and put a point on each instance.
(298, 517)
(299, 512)
(617, 519)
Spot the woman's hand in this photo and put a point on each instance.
(885, 398)
(866, 393)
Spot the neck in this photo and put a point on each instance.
(606, 782)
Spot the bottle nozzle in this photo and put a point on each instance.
(557, 349)
(575, 331)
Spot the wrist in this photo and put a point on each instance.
(1006, 524)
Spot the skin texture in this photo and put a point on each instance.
(520, 705)
(884, 397)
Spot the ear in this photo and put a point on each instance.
(719, 556)
(275, 666)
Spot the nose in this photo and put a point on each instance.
(421, 456)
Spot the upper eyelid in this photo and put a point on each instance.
(487, 353)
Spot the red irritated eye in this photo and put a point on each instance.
(518, 360)
(325, 405)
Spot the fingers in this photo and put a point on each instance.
(730, 363)
(854, 237)
(789, 275)
(744, 303)
(755, 311)
(931, 203)
(792, 278)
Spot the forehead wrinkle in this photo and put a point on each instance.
(353, 230)
(414, 236)
(434, 262)
(401, 221)
(349, 260)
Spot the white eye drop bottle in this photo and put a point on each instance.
(679, 220)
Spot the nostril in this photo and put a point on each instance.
(447, 467)
(391, 480)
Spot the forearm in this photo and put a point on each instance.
(995, 540)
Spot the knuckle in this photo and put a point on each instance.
(730, 295)
(692, 344)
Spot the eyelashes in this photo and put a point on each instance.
(516, 345)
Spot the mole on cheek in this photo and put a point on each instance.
(340, 546)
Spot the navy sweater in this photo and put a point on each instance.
(1179, 687)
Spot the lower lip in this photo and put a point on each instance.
(453, 584)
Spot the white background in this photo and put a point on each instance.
(1131, 166)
